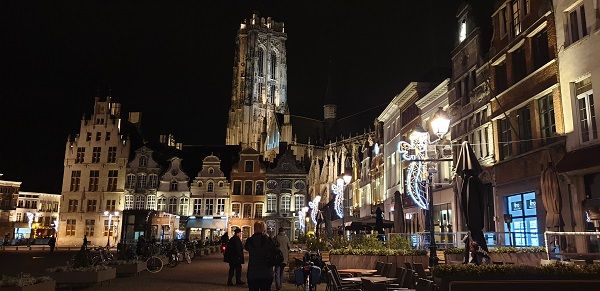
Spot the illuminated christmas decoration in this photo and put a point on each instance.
(314, 207)
(416, 175)
(338, 190)
(30, 217)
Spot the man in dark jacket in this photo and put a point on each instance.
(260, 269)
(234, 255)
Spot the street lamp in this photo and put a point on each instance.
(418, 170)
(110, 215)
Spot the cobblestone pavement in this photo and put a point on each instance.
(204, 273)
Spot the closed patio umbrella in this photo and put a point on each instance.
(551, 196)
(470, 193)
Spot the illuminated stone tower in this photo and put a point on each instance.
(258, 97)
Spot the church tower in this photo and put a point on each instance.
(258, 97)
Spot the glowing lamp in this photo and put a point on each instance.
(440, 123)
(347, 179)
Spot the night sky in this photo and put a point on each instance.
(173, 61)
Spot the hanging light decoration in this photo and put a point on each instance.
(338, 190)
(301, 218)
(314, 207)
(416, 175)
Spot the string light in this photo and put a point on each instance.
(314, 206)
(338, 190)
(416, 175)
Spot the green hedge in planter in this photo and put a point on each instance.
(22, 281)
(516, 272)
(501, 250)
(378, 252)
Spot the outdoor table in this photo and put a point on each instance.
(358, 271)
(370, 278)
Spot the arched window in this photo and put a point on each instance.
(211, 170)
(152, 181)
(173, 186)
(221, 184)
(261, 62)
(271, 203)
(183, 206)
(141, 181)
(273, 65)
(200, 183)
(210, 187)
(130, 181)
(285, 203)
(140, 202)
(143, 161)
(172, 205)
(161, 204)
(260, 187)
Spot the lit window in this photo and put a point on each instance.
(516, 18)
(209, 206)
(271, 203)
(258, 210)
(220, 206)
(462, 33)
(140, 203)
(183, 205)
(587, 114)
(128, 201)
(161, 204)
(299, 202)
(172, 205)
(151, 202)
(286, 201)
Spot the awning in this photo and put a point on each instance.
(207, 223)
(580, 159)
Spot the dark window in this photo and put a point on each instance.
(80, 155)
(98, 136)
(261, 62)
(524, 121)
(94, 179)
(547, 121)
(237, 187)
(540, 49)
(75, 179)
(272, 93)
(577, 23)
(107, 137)
(96, 155)
(112, 180)
(248, 187)
(88, 137)
(249, 166)
(505, 138)
(500, 77)
(260, 186)
(273, 65)
(91, 205)
(112, 155)
(519, 68)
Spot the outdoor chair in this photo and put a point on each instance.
(409, 279)
(379, 267)
(387, 269)
(334, 285)
(420, 270)
(425, 285)
(367, 285)
(338, 277)
(337, 273)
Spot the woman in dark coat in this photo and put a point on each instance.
(260, 248)
(234, 255)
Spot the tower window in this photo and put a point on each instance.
(273, 65)
(261, 62)
(462, 32)
(173, 185)
(143, 161)
(272, 93)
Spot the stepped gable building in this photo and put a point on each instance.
(259, 93)
(210, 191)
(94, 176)
(247, 191)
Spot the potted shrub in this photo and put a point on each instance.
(26, 282)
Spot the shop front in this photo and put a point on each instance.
(206, 228)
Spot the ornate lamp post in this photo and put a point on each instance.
(419, 170)
(110, 216)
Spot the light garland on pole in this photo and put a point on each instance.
(416, 175)
(301, 218)
(338, 190)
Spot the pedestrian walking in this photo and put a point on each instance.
(52, 243)
(283, 244)
(234, 255)
(224, 241)
(84, 245)
(260, 248)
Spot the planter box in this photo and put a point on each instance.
(454, 258)
(368, 261)
(83, 278)
(130, 269)
(43, 286)
(530, 259)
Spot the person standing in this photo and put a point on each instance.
(52, 243)
(283, 244)
(234, 255)
(260, 248)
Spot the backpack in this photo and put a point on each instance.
(275, 256)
